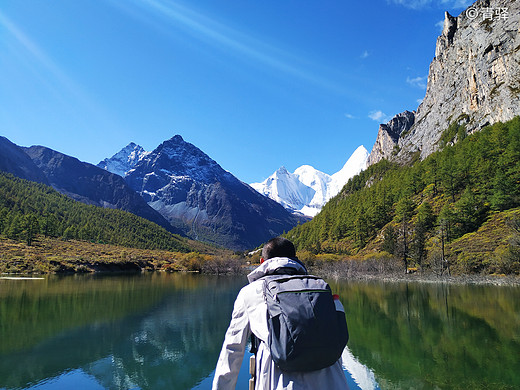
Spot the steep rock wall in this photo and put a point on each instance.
(474, 79)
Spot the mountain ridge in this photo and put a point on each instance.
(89, 184)
(14, 160)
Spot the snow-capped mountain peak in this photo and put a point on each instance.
(356, 163)
(307, 189)
(310, 176)
(318, 181)
(124, 160)
(285, 188)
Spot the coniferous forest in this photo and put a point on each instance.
(28, 209)
(457, 208)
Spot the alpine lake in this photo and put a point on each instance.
(165, 331)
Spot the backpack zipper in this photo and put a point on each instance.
(309, 290)
(298, 291)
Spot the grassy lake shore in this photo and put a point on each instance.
(54, 256)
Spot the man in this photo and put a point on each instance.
(250, 315)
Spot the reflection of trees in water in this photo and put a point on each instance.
(171, 345)
(428, 335)
(172, 348)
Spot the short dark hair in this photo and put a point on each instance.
(278, 247)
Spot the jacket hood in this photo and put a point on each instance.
(270, 266)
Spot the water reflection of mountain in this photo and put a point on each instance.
(171, 344)
(362, 376)
(428, 336)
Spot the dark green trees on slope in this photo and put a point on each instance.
(28, 209)
(450, 193)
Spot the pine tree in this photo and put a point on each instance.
(14, 230)
(418, 251)
(30, 228)
(390, 240)
(470, 213)
(404, 210)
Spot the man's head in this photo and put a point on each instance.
(278, 247)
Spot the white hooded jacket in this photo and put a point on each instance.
(250, 315)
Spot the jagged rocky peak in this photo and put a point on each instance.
(388, 136)
(282, 171)
(450, 25)
(473, 79)
(178, 158)
(448, 31)
(124, 160)
(399, 124)
(175, 142)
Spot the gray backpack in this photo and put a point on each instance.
(306, 332)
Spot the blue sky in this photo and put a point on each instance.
(254, 84)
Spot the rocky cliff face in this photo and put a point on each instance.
(474, 79)
(388, 137)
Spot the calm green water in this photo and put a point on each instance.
(164, 331)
